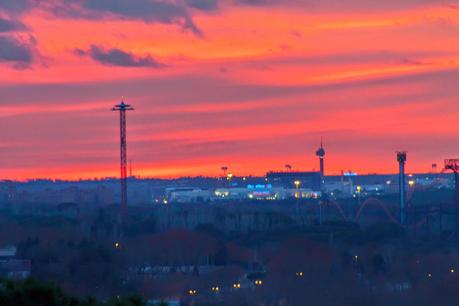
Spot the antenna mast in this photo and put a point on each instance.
(122, 108)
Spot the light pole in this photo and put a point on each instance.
(320, 212)
(229, 178)
(359, 190)
(297, 195)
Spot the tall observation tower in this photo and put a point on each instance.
(122, 108)
(321, 154)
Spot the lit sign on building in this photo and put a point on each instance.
(260, 186)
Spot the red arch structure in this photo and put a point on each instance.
(339, 208)
(374, 201)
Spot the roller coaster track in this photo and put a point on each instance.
(380, 204)
(374, 201)
(339, 208)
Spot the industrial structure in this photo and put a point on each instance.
(453, 165)
(321, 154)
(311, 180)
(122, 108)
(401, 158)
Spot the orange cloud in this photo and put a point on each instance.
(257, 89)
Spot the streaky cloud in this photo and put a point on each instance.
(203, 5)
(150, 11)
(348, 5)
(118, 57)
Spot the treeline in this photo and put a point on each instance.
(34, 293)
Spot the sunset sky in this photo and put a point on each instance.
(251, 84)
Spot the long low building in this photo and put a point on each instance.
(250, 192)
(187, 195)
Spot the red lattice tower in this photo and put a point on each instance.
(122, 108)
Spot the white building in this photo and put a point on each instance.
(187, 195)
(167, 301)
(8, 251)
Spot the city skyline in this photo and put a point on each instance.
(249, 84)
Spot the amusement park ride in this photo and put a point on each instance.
(405, 209)
(122, 108)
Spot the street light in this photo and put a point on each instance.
(258, 282)
(297, 186)
(229, 179)
(237, 285)
(359, 191)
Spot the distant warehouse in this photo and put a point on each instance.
(309, 180)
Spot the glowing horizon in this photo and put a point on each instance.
(245, 83)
